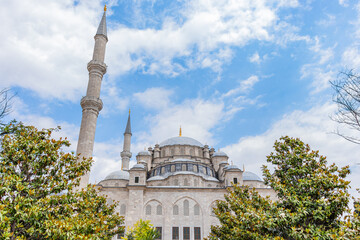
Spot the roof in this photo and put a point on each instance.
(138, 166)
(102, 26)
(128, 126)
(118, 175)
(250, 176)
(230, 167)
(219, 154)
(181, 141)
(144, 153)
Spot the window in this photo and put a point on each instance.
(186, 208)
(183, 167)
(186, 182)
(186, 233)
(195, 167)
(200, 152)
(167, 168)
(162, 170)
(176, 182)
(172, 152)
(159, 210)
(136, 179)
(197, 209)
(197, 233)
(163, 153)
(148, 210)
(190, 167)
(192, 152)
(176, 210)
(175, 233)
(178, 167)
(195, 183)
(159, 229)
(158, 171)
(182, 151)
(122, 209)
(235, 180)
(172, 168)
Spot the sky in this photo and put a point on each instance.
(236, 75)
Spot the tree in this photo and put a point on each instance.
(347, 98)
(142, 230)
(38, 200)
(5, 100)
(312, 199)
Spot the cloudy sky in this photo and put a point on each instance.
(236, 75)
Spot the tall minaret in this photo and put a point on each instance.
(126, 154)
(91, 103)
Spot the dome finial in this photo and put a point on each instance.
(105, 8)
(243, 167)
(180, 132)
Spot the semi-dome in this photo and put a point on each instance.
(219, 154)
(118, 175)
(181, 141)
(250, 176)
(144, 153)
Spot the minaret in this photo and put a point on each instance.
(91, 104)
(126, 154)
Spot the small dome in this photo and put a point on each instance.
(181, 141)
(249, 176)
(144, 153)
(118, 175)
(138, 166)
(228, 167)
(220, 154)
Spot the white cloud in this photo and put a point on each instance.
(344, 3)
(244, 86)
(154, 98)
(46, 44)
(351, 58)
(255, 58)
(204, 38)
(313, 127)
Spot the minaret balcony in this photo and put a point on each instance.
(97, 67)
(92, 103)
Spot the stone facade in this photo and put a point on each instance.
(175, 185)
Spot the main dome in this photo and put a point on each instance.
(181, 141)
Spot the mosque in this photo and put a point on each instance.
(174, 184)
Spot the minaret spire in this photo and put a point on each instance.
(91, 104)
(126, 154)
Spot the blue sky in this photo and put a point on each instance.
(235, 75)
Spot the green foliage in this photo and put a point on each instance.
(37, 190)
(312, 200)
(142, 230)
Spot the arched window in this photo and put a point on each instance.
(200, 152)
(183, 167)
(195, 167)
(148, 210)
(162, 170)
(182, 151)
(163, 153)
(173, 168)
(176, 210)
(186, 182)
(195, 182)
(192, 152)
(176, 182)
(186, 208)
(159, 210)
(197, 209)
(172, 152)
(122, 209)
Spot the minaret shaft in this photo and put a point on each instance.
(91, 103)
